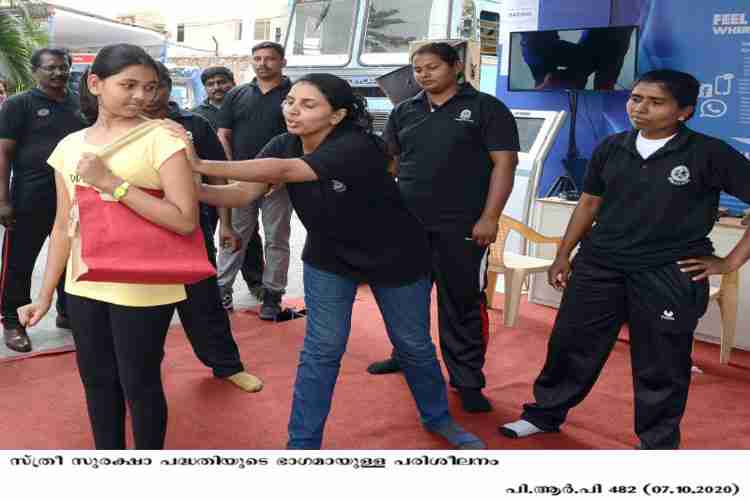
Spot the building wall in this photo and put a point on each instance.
(271, 15)
(201, 34)
(240, 65)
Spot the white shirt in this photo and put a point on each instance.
(647, 147)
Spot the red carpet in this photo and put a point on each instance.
(42, 407)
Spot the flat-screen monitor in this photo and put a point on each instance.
(594, 59)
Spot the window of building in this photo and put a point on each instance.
(277, 35)
(180, 32)
(488, 28)
(262, 29)
(238, 31)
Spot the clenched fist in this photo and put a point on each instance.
(7, 216)
(92, 170)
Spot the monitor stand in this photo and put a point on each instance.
(564, 188)
(565, 185)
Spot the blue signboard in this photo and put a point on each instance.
(710, 40)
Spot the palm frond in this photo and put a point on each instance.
(20, 35)
(32, 28)
(14, 51)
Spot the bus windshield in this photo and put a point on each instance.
(392, 24)
(320, 32)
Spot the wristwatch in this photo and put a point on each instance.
(121, 190)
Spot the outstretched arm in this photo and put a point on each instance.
(262, 170)
(235, 195)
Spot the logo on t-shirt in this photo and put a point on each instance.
(42, 112)
(668, 315)
(465, 116)
(679, 176)
(338, 186)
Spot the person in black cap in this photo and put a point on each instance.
(358, 231)
(205, 321)
(31, 125)
(457, 186)
(653, 193)
(218, 81)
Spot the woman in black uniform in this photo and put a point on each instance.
(358, 232)
(653, 192)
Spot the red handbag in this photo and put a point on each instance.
(112, 243)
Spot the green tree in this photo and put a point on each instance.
(377, 40)
(20, 34)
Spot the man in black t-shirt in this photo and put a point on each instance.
(203, 318)
(455, 155)
(653, 193)
(31, 125)
(218, 81)
(251, 116)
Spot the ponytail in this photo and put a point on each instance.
(88, 101)
(359, 115)
(340, 95)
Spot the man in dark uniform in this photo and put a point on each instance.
(203, 318)
(31, 125)
(457, 186)
(218, 81)
(250, 117)
(654, 194)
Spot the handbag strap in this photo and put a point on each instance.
(132, 135)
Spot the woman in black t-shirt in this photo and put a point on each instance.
(358, 231)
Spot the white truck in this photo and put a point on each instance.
(360, 40)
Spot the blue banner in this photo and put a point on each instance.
(710, 40)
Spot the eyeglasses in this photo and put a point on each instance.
(51, 69)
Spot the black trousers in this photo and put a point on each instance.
(459, 271)
(208, 328)
(21, 247)
(209, 218)
(119, 351)
(662, 307)
(204, 319)
(253, 265)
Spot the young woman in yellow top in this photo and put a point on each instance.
(119, 328)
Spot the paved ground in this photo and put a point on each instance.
(46, 336)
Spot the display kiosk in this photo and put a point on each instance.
(537, 131)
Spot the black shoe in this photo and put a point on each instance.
(473, 400)
(16, 339)
(257, 291)
(271, 307)
(62, 322)
(389, 365)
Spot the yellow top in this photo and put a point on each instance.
(138, 162)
